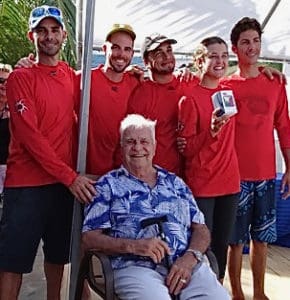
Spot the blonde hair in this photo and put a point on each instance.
(5, 68)
(199, 54)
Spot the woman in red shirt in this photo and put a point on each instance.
(211, 168)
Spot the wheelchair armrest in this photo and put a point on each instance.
(107, 273)
(212, 261)
(96, 268)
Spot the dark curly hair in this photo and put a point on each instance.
(242, 25)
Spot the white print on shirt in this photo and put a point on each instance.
(20, 106)
(180, 126)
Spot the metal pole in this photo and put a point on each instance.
(270, 13)
(82, 147)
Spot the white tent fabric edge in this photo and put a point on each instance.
(188, 21)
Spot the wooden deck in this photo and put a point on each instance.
(277, 279)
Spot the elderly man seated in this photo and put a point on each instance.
(129, 201)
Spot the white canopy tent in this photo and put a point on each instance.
(189, 21)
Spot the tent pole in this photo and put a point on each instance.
(270, 13)
(82, 146)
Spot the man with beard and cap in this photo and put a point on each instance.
(111, 87)
(157, 98)
(40, 178)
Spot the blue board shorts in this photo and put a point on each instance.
(256, 215)
(32, 214)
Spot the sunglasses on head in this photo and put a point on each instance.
(3, 80)
(46, 11)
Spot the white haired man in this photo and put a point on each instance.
(146, 267)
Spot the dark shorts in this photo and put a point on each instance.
(256, 216)
(220, 215)
(29, 215)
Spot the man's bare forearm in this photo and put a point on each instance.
(200, 238)
(99, 241)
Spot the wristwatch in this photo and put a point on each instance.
(196, 253)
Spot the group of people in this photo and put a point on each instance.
(168, 129)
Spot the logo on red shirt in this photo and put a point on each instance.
(20, 106)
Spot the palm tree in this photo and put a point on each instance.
(13, 23)
(68, 8)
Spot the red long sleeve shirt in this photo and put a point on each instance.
(41, 102)
(262, 106)
(108, 106)
(160, 102)
(211, 165)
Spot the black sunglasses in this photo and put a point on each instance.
(3, 80)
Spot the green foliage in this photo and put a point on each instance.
(233, 66)
(13, 23)
(69, 10)
(275, 65)
(14, 15)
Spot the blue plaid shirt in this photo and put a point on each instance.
(123, 201)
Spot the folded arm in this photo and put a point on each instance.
(154, 248)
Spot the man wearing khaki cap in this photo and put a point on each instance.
(111, 87)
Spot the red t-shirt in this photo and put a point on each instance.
(108, 106)
(211, 165)
(262, 106)
(41, 102)
(159, 102)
